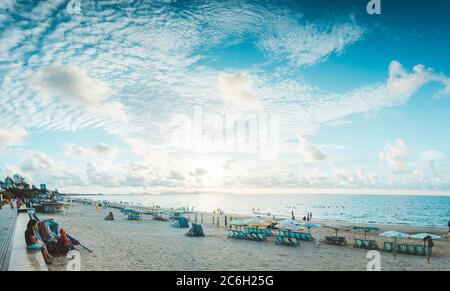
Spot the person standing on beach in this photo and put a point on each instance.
(318, 238)
(448, 233)
(293, 216)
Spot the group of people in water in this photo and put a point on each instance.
(306, 218)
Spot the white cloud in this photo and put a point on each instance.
(404, 83)
(394, 155)
(12, 136)
(308, 43)
(36, 161)
(73, 85)
(94, 151)
(154, 62)
(310, 152)
(237, 91)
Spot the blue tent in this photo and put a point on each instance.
(196, 231)
(181, 222)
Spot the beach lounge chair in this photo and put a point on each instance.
(403, 249)
(342, 241)
(373, 245)
(338, 241)
(254, 234)
(306, 236)
(358, 243)
(411, 250)
(286, 241)
(196, 231)
(422, 251)
(388, 247)
(238, 234)
(233, 234)
(134, 216)
(329, 240)
(266, 232)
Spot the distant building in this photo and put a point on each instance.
(43, 187)
(2, 185)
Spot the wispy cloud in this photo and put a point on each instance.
(127, 68)
(94, 151)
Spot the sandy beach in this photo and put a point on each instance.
(155, 245)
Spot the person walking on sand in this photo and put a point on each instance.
(448, 233)
(293, 216)
(318, 238)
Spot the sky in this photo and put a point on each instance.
(228, 96)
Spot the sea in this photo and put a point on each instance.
(378, 209)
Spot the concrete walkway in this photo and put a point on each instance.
(21, 258)
(7, 223)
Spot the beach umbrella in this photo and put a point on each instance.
(366, 229)
(256, 222)
(289, 224)
(395, 235)
(424, 235)
(310, 225)
(336, 228)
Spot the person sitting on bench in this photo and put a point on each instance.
(33, 243)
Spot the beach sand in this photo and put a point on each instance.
(155, 245)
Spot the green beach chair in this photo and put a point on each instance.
(388, 247)
(306, 236)
(411, 250)
(358, 243)
(419, 250)
(373, 245)
(233, 234)
(403, 249)
(243, 235)
(286, 241)
(365, 244)
(342, 241)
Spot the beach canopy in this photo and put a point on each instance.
(270, 220)
(256, 222)
(236, 223)
(165, 212)
(394, 234)
(336, 228)
(289, 224)
(424, 235)
(310, 225)
(366, 229)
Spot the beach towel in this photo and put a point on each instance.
(34, 247)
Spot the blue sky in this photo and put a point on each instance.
(108, 100)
